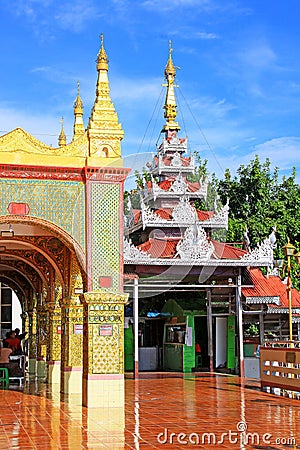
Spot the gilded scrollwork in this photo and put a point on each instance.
(19, 141)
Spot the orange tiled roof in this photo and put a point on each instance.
(160, 248)
(271, 286)
(167, 183)
(227, 251)
(166, 248)
(136, 215)
(165, 213)
(205, 215)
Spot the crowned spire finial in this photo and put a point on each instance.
(102, 60)
(78, 128)
(62, 140)
(170, 102)
(104, 120)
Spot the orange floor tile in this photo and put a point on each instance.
(164, 412)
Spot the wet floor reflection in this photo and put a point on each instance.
(162, 412)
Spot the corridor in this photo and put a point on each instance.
(161, 411)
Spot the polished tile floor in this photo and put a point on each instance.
(164, 412)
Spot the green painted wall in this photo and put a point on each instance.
(231, 342)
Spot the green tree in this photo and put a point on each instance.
(260, 201)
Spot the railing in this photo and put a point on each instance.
(280, 365)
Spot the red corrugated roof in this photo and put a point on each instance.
(166, 248)
(136, 215)
(167, 183)
(160, 248)
(205, 215)
(272, 286)
(226, 251)
(193, 187)
(165, 213)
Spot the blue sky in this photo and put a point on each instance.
(239, 77)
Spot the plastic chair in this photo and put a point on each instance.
(4, 377)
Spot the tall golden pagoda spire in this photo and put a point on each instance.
(78, 127)
(104, 130)
(170, 102)
(62, 140)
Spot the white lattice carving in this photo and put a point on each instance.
(184, 213)
(176, 160)
(174, 144)
(132, 253)
(156, 189)
(202, 191)
(263, 252)
(149, 217)
(179, 186)
(195, 246)
(220, 218)
(129, 217)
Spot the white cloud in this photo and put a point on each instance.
(76, 15)
(45, 15)
(283, 152)
(258, 56)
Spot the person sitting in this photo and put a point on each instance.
(20, 336)
(13, 343)
(5, 344)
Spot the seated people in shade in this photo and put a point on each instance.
(13, 343)
(13, 367)
(5, 344)
(20, 336)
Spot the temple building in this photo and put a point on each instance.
(85, 277)
(61, 247)
(192, 289)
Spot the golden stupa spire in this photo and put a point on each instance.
(78, 127)
(102, 60)
(62, 140)
(170, 102)
(104, 130)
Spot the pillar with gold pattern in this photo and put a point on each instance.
(32, 343)
(54, 343)
(71, 345)
(42, 336)
(103, 349)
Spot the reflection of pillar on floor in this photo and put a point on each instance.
(103, 427)
(54, 343)
(103, 349)
(71, 346)
(32, 343)
(210, 331)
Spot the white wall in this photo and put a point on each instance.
(16, 312)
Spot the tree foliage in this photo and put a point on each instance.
(260, 201)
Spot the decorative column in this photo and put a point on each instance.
(103, 349)
(42, 335)
(32, 343)
(24, 317)
(54, 342)
(71, 345)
